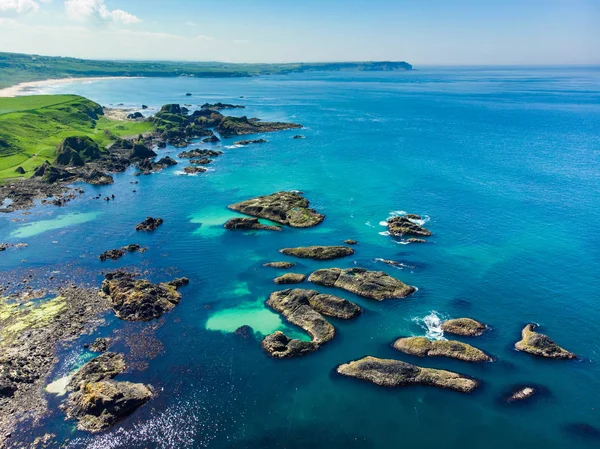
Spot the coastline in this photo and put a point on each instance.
(22, 88)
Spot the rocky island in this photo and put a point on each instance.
(422, 346)
(247, 224)
(394, 373)
(370, 284)
(318, 252)
(466, 327)
(404, 225)
(539, 344)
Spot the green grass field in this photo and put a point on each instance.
(32, 126)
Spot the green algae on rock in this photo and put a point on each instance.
(290, 278)
(466, 327)
(318, 252)
(287, 208)
(370, 284)
(541, 345)
(395, 373)
(422, 346)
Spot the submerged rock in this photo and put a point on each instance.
(399, 226)
(394, 373)
(149, 224)
(280, 265)
(541, 345)
(318, 252)
(524, 393)
(290, 278)
(139, 300)
(302, 308)
(249, 224)
(115, 254)
(282, 207)
(370, 284)
(467, 327)
(244, 331)
(422, 346)
(583, 430)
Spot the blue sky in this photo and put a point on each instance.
(419, 31)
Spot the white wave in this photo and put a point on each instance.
(397, 213)
(385, 233)
(383, 223)
(432, 324)
(232, 147)
(368, 223)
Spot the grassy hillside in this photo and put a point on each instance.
(32, 126)
(16, 68)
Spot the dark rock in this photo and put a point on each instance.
(416, 240)
(167, 161)
(105, 366)
(248, 142)
(398, 226)
(290, 278)
(141, 151)
(370, 284)
(97, 178)
(199, 153)
(350, 242)
(139, 300)
(211, 139)
(171, 109)
(76, 151)
(113, 254)
(280, 265)
(394, 373)
(188, 94)
(235, 126)
(20, 170)
(219, 105)
(244, 331)
(540, 345)
(281, 207)
(135, 116)
(201, 161)
(464, 326)
(422, 346)
(249, 224)
(298, 137)
(318, 252)
(100, 344)
(191, 170)
(144, 106)
(149, 224)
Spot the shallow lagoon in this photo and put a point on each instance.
(505, 163)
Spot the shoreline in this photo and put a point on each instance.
(21, 88)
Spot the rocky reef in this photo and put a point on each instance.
(350, 242)
(249, 142)
(318, 252)
(370, 284)
(287, 208)
(541, 345)
(422, 346)
(96, 400)
(395, 373)
(149, 224)
(249, 224)
(280, 265)
(138, 299)
(399, 226)
(218, 106)
(303, 308)
(290, 278)
(199, 153)
(192, 170)
(115, 254)
(466, 327)
(100, 344)
(237, 126)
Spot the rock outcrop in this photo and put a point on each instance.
(199, 153)
(318, 252)
(237, 126)
(106, 366)
(422, 346)
(303, 308)
(101, 344)
(541, 345)
(115, 254)
(218, 106)
(399, 226)
(139, 300)
(193, 170)
(249, 224)
(395, 373)
(370, 284)
(280, 265)
(76, 151)
(149, 224)
(467, 327)
(248, 142)
(287, 208)
(350, 242)
(290, 278)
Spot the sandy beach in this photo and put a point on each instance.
(25, 88)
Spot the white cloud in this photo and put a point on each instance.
(18, 6)
(85, 10)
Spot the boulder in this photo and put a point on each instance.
(244, 331)
(149, 224)
(280, 265)
(211, 139)
(290, 278)
(395, 373)
(20, 170)
(249, 224)
(422, 346)
(113, 254)
(541, 345)
(139, 300)
(193, 170)
(370, 284)
(298, 136)
(281, 346)
(318, 252)
(399, 226)
(287, 208)
(524, 393)
(135, 116)
(467, 327)
(141, 151)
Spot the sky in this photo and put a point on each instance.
(422, 32)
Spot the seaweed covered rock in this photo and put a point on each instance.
(422, 346)
(101, 344)
(138, 299)
(405, 225)
(98, 405)
(149, 224)
(541, 345)
(302, 308)
(287, 208)
(236, 126)
(76, 151)
(249, 224)
(280, 265)
(370, 284)
(105, 366)
(395, 373)
(318, 252)
(290, 278)
(467, 327)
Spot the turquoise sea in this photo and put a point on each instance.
(504, 164)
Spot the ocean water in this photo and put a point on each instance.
(504, 163)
